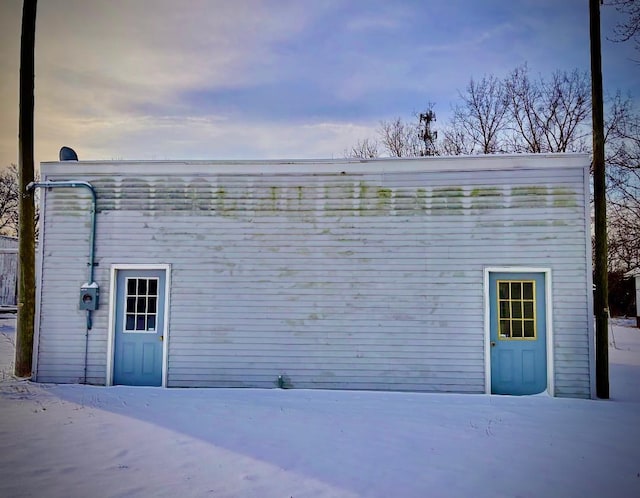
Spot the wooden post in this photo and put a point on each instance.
(26, 209)
(601, 304)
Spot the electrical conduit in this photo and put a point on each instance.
(92, 241)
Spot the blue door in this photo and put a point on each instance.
(139, 327)
(518, 333)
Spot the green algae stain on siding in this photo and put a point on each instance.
(364, 199)
(219, 197)
(224, 200)
(419, 201)
(531, 223)
(346, 198)
(486, 192)
(447, 200)
(532, 196)
(348, 191)
(363, 190)
(199, 191)
(383, 203)
(404, 201)
(532, 190)
(487, 198)
(178, 193)
(339, 199)
(107, 194)
(135, 194)
(274, 197)
(564, 198)
(68, 205)
(361, 196)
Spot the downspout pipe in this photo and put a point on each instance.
(92, 241)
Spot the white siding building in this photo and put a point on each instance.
(462, 274)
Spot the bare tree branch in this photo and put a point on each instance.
(455, 142)
(548, 116)
(629, 29)
(482, 115)
(399, 139)
(623, 185)
(9, 199)
(365, 149)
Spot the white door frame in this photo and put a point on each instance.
(549, 321)
(112, 316)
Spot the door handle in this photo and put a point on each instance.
(161, 338)
(493, 344)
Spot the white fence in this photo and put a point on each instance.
(8, 271)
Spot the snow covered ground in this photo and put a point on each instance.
(83, 441)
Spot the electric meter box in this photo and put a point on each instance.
(89, 296)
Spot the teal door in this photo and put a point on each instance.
(139, 327)
(518, 333)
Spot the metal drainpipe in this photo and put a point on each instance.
(92, 242)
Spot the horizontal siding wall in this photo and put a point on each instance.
(64, 239)
(349, 281)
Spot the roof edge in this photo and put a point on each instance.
(327, 166)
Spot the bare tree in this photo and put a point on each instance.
(365, 149)
(623, 184)
(524, 97)
(623, 235)
(399, 139)
(516, 114)
(629, 29)
(455, 142)
(548, 115)
(482, 116)
(9, 201)
(567, 99)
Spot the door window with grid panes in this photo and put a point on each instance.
(516, 309)
(142, 305)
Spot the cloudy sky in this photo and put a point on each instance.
(249, 79)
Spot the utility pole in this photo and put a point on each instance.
(26, 208)
(601, 299)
